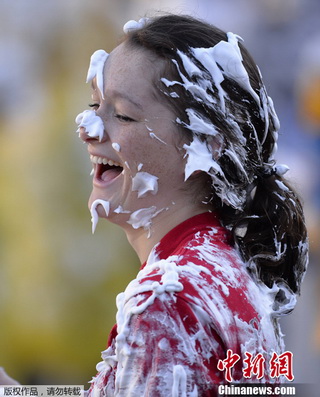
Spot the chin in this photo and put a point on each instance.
(113, 217)
(93, 197)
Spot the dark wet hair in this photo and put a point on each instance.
(268, 225)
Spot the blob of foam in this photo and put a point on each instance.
(227, 55)
(206, 57)
(281, 169)
(179, 381)
(120, 210)
(199, 89)
(154, 136)
(116, 147)
(142, 218)
(134, 25)
(97, 61)
(198, 124)
(92, 124)
(144, 183)
(199, 158)
(94, 213)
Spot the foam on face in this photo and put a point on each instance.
(145, 183)
(94, 213)
(97, 61)
(142, 218)
(88, 119)
(92, 124)
(154, 136)
(120, 210)
(116, 147)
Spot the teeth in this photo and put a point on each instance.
(104, 161)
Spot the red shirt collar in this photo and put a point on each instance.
(184, 230)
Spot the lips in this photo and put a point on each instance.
(106, 170)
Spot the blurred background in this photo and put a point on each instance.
(58, 283)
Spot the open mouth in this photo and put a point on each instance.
(105, 170)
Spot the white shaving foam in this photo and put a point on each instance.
(199, 158)
(199, 125)
(152, 135)
(281, 169)
(116, 147)
(120, 210)
(224, 60)
(92, 124)
(179, 387)
(282, 186)
(228, 56)
(198, 90)
(97, 61)
(134, 25)
(94, 213)
(144, 183)
(142, 218)
(206, 57)
(211, 309)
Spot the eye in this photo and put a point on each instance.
(94, 106)
(123, 118)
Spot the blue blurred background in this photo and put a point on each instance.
(58, 283)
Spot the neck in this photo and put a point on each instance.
(142, 241)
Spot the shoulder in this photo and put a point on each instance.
(204, 283)
(204, 268)
(200, 285)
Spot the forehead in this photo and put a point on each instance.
(129, 67)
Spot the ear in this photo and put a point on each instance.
(214, 147)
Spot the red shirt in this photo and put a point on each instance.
(190, 303)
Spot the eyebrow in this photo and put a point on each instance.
(123, 95)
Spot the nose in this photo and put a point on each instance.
(83, 135)
(91, 127)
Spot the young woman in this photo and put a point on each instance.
(182, 137)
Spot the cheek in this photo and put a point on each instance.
(157, 157)
(136, 155)
(168, 164)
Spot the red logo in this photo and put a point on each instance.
(279, 365)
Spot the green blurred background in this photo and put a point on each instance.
(58, 283)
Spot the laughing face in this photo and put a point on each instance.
(133, 141)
